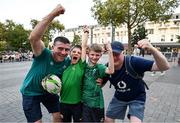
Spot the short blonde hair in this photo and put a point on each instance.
(96, 48)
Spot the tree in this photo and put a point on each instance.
(2, 32)
(76, 40)
(15, 36)
(3, 45)
(53, 28)
(132, 12)
(139, 33)
(178, 37)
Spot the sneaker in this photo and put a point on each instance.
(152, 74)
(162, 73)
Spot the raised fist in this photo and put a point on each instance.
(58, 10)
(85, 29)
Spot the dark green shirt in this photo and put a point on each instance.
(42, 65)
(92, 93)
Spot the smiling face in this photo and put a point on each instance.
(95, 52)
(60, 51)
(94, 57)
(75, 55)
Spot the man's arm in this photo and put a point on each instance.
(37, 33)
(161, 62)
(110, 68)
(84, 42)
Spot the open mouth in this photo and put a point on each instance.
(75, 58)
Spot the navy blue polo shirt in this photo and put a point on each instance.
(128, 88)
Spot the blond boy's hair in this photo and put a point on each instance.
(96, 48)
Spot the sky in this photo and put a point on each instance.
(77, 12)
(22, 11)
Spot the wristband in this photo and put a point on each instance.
(86, 31)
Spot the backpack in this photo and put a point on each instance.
(130, 70)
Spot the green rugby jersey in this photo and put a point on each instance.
(72, 83)
(42, 65)
(92, 93)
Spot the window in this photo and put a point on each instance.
(117, 33)
(108, 34)
(150, 31)
(94, 35)
(172, 36)
(96, 29)
(163, 38)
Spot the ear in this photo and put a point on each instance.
(52, 46)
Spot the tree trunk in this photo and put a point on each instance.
(129, 39)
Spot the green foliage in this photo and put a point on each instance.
(132, 12)
(2, 32)
(76, 40)
(13, 36)
(139, 33)
(17, 37)
(3, 45)
(53, 28)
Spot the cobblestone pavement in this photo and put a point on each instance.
(163, 98)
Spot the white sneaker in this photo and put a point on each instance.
(163, 73)
(152, 74)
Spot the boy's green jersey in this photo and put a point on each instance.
(72, 83)
(92, 92)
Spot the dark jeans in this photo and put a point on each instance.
(32, 107)
(71, 111)
(92, 114)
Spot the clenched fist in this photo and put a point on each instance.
(58, 10)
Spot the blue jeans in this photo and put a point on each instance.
(117, 109)
(32, 108)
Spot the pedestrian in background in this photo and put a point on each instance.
(136, 50)
(174, 57)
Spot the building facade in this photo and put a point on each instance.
(162, 34)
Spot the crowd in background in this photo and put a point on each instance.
(15, 56)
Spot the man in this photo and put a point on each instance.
(130, 92)
(45, 62)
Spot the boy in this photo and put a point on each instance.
(70, 105)
(92, 97)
